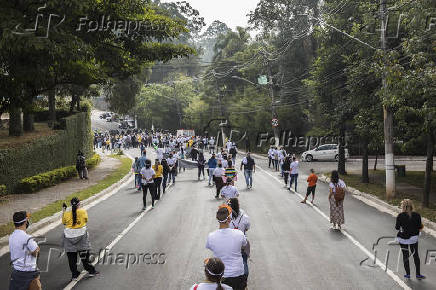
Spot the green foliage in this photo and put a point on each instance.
(53, 177)
(47, 153)
(2, 189)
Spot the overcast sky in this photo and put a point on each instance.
(231, 12)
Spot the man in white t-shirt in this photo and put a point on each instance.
(229, 191)
(226, 244)
(24, 251)
(294, 173)
(147, 174)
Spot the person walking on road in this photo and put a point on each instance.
(76, 238)
(226, 244)
(214, 271)
(165, 173)
(240, 221)
(311, 185)
(409, 226)
(200, 164)
(24, 252)
(157, 178)
(229, 191)
(294, 173)
(147, 174)
(218, 174)
(249, 166)
(336, 200)
(136, 169)
(286, 168)
(230, 172)
(172, 163)
(211, 164)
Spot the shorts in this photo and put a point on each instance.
(310, 190)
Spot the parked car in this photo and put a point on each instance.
(323, 152)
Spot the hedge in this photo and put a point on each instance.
(53, 177)
(47, 153)
(2, 189)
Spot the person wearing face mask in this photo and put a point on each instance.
(76, 238)
(24, 252)
(229, 191)
(226, 244)
(148, 175)
(218, 174)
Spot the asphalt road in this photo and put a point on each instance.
(292, 245)
(101, 124)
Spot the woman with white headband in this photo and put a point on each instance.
(214, 271)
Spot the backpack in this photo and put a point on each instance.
(339, 194)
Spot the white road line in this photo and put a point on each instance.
(389, 272)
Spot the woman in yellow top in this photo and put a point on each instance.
(76, 238)
(157, 178)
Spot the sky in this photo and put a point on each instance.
(231, 12)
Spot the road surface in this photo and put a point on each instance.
(292, 244)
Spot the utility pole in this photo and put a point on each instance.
(388, 116)
(273, 101)
(179, 113)
(222, 125)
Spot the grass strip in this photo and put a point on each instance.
(56, 206)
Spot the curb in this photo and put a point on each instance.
(47, 221)
(382, 206)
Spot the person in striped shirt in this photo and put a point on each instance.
(231, 173)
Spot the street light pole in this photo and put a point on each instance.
(388, 116)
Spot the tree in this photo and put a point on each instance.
(32, 64)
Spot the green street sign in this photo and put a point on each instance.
(262, 80)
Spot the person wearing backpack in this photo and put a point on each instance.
(336, 200)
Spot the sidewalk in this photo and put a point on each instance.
(36, 201)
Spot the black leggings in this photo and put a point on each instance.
(72, 262)
(157, 183)
(151, 188)
(406, 254)
(200, 170)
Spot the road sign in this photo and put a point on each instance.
(262, 80)
(275, 122)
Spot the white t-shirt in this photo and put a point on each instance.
(21, 245)
(225, 163)
(341, 183)
(147, 175)
(209, 286)
(294, 167)
(226, 244)
(229, 191)
(159, 152)
(241, 222)
(172, 161)
(271, 152)
(219, 171)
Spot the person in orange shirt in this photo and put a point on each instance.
(311, 186)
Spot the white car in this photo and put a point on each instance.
(323, 152)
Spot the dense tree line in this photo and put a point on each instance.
(54, 48)
(324, 65)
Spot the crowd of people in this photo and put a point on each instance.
(228, 268)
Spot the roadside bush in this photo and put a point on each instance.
(2, 189)
(47, 153)
(53, 177)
